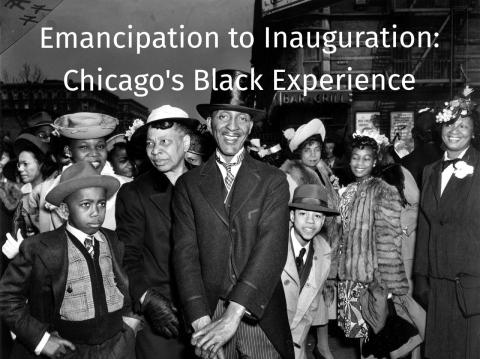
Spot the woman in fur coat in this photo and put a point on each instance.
(308, 168)
(371, 243)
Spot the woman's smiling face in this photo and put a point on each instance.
(362, 162)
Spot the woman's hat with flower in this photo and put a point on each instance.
(295, 138)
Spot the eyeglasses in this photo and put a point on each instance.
(163, 125)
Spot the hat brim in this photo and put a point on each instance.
(205, 110)
(315, 208)
(64, 189)
(29, 142)
(86, 133)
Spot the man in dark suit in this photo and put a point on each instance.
(144, 225)
(231, 238)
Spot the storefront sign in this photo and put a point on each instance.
(365, 120)
(274, 6)
(316, 96)
(401, 124)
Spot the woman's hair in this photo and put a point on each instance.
(297, 154)
(47, 165)
(362, 142)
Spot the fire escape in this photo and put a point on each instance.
(433, 67)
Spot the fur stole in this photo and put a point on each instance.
(372, 241)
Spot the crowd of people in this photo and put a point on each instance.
(182, 240)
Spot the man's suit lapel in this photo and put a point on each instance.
(436, 181)
(290, 266)
(211, 188)
(457, 189)
(246, 181)
(318, 274)
(55, 258)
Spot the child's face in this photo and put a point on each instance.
(93, 151)
(86, 209)
(307, 224)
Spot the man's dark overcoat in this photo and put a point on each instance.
(234, 253)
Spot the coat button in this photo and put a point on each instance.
(307, 285)
(69, 289)
(441, 223)
(287, 282)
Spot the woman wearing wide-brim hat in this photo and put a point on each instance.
(447, 265)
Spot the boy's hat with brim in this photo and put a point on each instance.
(240, 98)
(312, 197)
(85, 125)
(77, 176)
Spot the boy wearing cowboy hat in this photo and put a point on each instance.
(65, 294)
(230, 233)
(85, 133)
(308, 263)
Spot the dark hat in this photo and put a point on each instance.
(29, 142)
(235, 99)
(39, 119)
(77, 176)
(312, 197)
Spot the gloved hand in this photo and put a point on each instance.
(421, 290)
(11, 247)
(160, 313)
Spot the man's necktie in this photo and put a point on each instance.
(447, 163)
(229, 178)
(299, 260)
(89, 245)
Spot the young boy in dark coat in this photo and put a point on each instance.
(65, 295)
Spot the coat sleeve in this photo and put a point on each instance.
(186, 258)
(267, 258)
(130, 217)
(14, 292)
(409, 217)
(420, 265)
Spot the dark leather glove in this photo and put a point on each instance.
(421, 290)
(160, 314)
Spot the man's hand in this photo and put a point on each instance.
(213, 336)
(11, 246)
(56, 346)
(160, 313)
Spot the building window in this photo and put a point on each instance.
(312, 61)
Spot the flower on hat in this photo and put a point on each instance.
(289, 133)
(379, 138)
(137, 123)
(458, 107)
(462, 169)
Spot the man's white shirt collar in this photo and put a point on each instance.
(297, 247)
